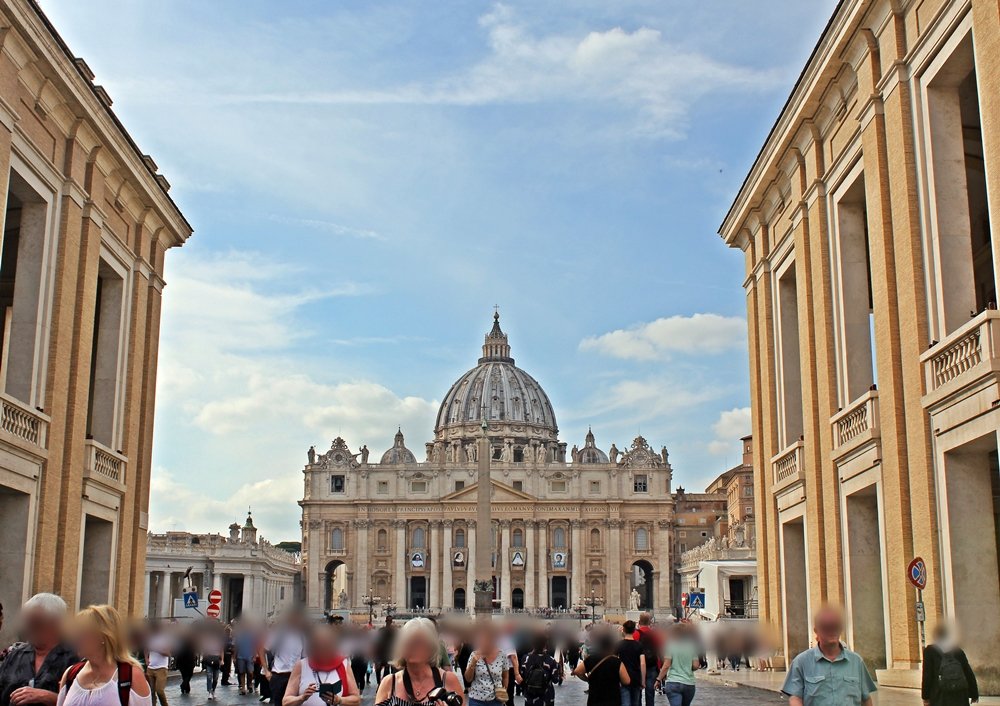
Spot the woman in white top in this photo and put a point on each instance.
(108, 675)
(324, 677)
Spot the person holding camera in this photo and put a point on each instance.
(489, 669)
(419, 679)
(324, 677)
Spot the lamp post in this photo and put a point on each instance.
(593, 602)
(580, 610)
(371, 600)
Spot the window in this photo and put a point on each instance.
(281, 593)
(748, 491)
(704, 534)
(789, 366)
(640, 484)
(517, 538)
(518, 485)
(595, 538)
(684, 548)
(419, 538)
(595, 487)
(682, 533)
(559, 537)
(558, 486)
(382, 540)
(383, 487)
(105, 355)
(681, 520)
(702, 521)
(418, 486)
(518, 455)
(460, 538)
(748, 510)
(459, 485)
(337, 539)
(337, 484)
(641, 539)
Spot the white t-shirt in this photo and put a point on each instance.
(287, 648)
(159, 652)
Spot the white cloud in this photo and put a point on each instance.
(729, 428)
(331, 227)
(699, 333)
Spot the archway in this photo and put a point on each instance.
(336, 585)
(641, 579)
(460, 598)
(560, 592)
(517, 599)
(418, 592)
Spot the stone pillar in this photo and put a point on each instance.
(529, 566)
(363, 580)
(577, 579)
(503, 563)
(166, 592)
(447, 588)
(147, 608)
(316, 587)
(216, 579)
(434, 601)
(614, 590)
(249, 594)
(543, 564)
(399, 575)
(664, 599)
(470, 565)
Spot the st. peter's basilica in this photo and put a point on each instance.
(568, 525)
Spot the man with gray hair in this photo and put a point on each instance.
(31, 672)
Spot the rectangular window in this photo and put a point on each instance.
(595, 487)
(459, 485)
(748, 510)
(790, 367)
(337, 484)
(640, 484)
(558, 486)
(518, 485)
(681, 521)
(702, 521)
(418, 486)
(683, 533)
(748, 491)
(684, 548)
(382, 488)
(281, 593)
(105, 349)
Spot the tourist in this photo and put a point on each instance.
(489, 669)
(244, 650)
(286, 647)
(652, 647)
(679, 665)
(159, 649)
(947, 678)
(630, 651)
(418, 680)
(828, 673)
(508, 645)
(108, 675)
(384, 648)
(603, 670)
(186, 659)
(212, 644)
(540, 674)
(355, 645)
(31, 671)
(227, 657)
(322, 678)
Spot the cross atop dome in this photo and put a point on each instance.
(495, 347)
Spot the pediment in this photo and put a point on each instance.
(501, 493)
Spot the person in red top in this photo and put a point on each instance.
(652, 643)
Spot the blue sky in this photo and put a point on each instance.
(367, 179)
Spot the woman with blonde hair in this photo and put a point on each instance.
(420, 680)
(108, 675)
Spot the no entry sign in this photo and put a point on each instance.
(213, 610)
(215, 597)
(916, 572)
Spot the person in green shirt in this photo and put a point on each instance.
(679, 664)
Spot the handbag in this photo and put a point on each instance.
(499, 692)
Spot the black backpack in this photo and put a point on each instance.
(536, 680)
(951, 675)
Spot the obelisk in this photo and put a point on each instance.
(484, 528)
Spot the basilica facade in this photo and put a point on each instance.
(569, 525)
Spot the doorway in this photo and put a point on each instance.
(864, 560)
(560, 592)
(642, 581)
(418, 592)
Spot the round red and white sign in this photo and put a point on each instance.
(213, 610)
(214, 597)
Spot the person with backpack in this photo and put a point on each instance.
(947, 679)
(108, 675)
(540, 674)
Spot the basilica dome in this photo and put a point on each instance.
(514, 404)
(399, 453)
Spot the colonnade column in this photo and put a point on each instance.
(399, 574)
(543, 564)
(447, 589)
(577, 579)
(316, 577)
(664, 599)
(249, 593)
(362, 581)
(166, 608)
(434, 602)
(470, 565)
(503, 563)
(614, 590)
(529, 572)
(149, 593)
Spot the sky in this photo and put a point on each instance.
(367, 180)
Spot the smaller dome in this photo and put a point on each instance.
(590, 453)
(398, 453)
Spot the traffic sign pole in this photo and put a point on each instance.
(916, 574)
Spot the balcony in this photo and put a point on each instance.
(25, 425)
(856, 428)
(105, 466)
(787, 467)
(745, 610)
(962, 371)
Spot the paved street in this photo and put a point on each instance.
(571, 693)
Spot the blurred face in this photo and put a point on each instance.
(41, 629)
(486, 640)
(418, 649)
(323, 643)
(829, 626)
(89, 643)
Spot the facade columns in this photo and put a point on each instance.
(166, 608)
(149, 595)
(614, 589)
(577, 579)
(447, 589)
(249, 593)
(435, 565)
(217, 580)
(503, 563)
(543, 564)
(362, 581)
(317, 589)
(470, 565)
(529, 569)
(663, 600)
(399, 575)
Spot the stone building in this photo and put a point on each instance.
(569, 524)
(87, 222)
(254, 576)
(871, 280)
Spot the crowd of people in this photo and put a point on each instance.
(98, 658)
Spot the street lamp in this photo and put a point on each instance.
(371, 600)
(580, 610)
(593, 602)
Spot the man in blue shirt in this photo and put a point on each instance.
(828, 674)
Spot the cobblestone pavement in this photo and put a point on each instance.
(571, 693)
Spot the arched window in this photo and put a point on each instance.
(595, 538)
(559, 537)
(641, 538)
(337, 539)
(418, 538)
(517, 538)
(382, 540)
(460, 538)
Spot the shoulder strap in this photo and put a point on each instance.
(598, 665)
(72, 673)
(124, 683)
(438, 680)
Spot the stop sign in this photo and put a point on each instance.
(213, 610)
(215, 597)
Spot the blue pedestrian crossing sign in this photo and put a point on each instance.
(696, 601)
(191, 599)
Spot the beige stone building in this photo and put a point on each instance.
(568, 524)
(87, 221)
(871, 284)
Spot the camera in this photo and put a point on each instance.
(444, 696)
